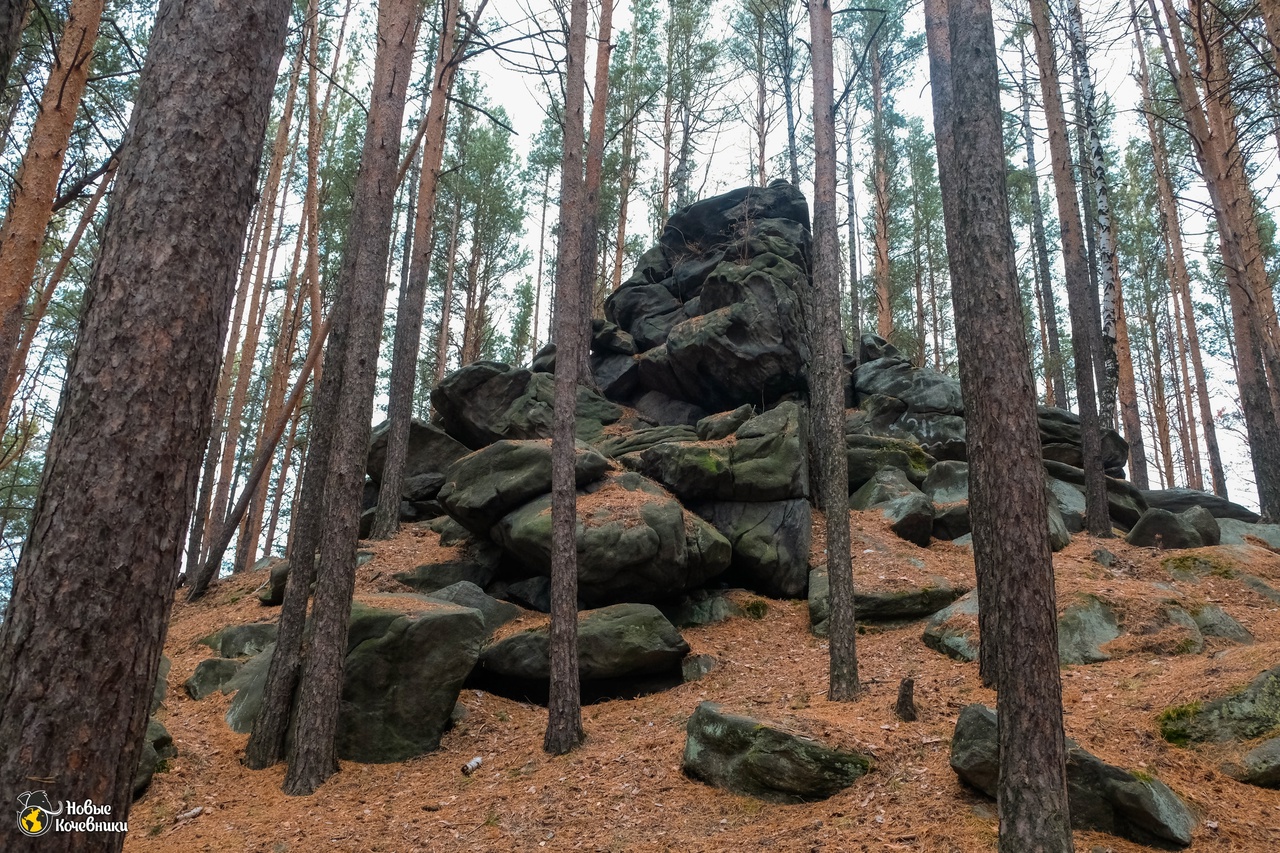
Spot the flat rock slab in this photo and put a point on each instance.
(908, 602)
(747, 756)
(466, 594)
(1103, 798)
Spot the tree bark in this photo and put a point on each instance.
(1044, 278)
(312, 754)
(120, 478)
(826, 385)
(36, 184)
(13, 19)
(880, 178)
(404, 362)
(1007, 498)
(1084, 332)
(564, 707)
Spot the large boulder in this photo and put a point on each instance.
(770, 543)
(1060, 440)
(402, 678)
(1160, 528)
(466, 594)
(869, 454)
(765, 459)
(485, 485)
(1124, 500)
(1103, 798)
(1180, 500)
(762, 760)
(404, 667)
(625, 650)
(238, 641)
(157, 747)
(909, 512)
(487, 401)
(635, 542)
(889, 602)
(1084, 627)
(430, 453)
(904, 401)
(1253, 711)
(478, 564)
(947, 482)
(211, 675)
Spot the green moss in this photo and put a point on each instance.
(756, 608)
(1197, 565)
(1173, 722)
(1143, 776)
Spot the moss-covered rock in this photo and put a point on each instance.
(1251, 712)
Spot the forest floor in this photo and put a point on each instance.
(624, 790)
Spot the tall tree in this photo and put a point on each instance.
(564, 707)
(36, 184)
(121, 469)
(404, 362)
(1085, 334)
(13, 17)
(1044, 279)
(1008, 502)
(826, 378)
(351, 373)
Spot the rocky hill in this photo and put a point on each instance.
(703, 595)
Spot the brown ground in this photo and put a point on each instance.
(624, 790)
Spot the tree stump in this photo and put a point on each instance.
(905, 707)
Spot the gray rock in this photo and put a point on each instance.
(1059, 531)
(770, 543)
(1260, 766)
(1235, 532)
(479, 565)
(765, 460)
(747, 756)
(157, 746)
(667, 411)
(534, 593)
(401, 677)
(484, 486)
(1180, 500)
(495, 613)
(725, 424)
(487, 401)
(948, 482)
(1124, 501)
(1103, 798)
(1060, 439)
(1213, 621)
(953, 631)
(911, 518)
(210, 675)
(880, 604)
(617, 375)
(1069, 501)
(636, 441)
(1251, 712)
(272, 595)
(1084, 626)
(635, 542)
(697, 667)
(1160, 528)
(868, 454)
(401, 683)
(700, 607)
(1204, 523)
(952, 522)
(623, 650)
(162, 684)
(887, 485)
(430, 452)
(237, 641)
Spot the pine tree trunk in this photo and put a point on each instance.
(1179, 277)
(542, 252)
(120, 479)
(826, 383)
(1085, 334)
(446, 300)
(855, 304)
(1007, 497)
(404, 362)
(36, 184)
(312, 752)
(13, 19)
(1044, 280)
(593, 178)
(564, 707)
(880, 163)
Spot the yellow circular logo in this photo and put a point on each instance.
(35, 813)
